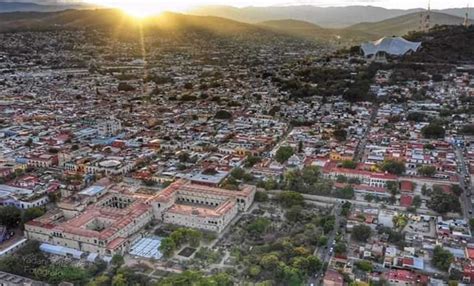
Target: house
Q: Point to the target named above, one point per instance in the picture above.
(333, 278)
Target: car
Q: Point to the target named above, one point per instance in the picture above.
(331, 250)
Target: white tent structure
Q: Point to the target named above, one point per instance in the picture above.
(395, 46)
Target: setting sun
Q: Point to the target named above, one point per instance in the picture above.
(145, 8)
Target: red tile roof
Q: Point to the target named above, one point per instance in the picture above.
(406, 201)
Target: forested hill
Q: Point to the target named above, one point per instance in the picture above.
(445, 44)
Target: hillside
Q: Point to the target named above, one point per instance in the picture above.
(116, 19)
(6, 7)
(399, 26)
(120, 22)
(313, 32)
(445, 44)
(331, 17)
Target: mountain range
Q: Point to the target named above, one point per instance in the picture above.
(328, 17)
(108, 18)
(46, 6)
(331, 17)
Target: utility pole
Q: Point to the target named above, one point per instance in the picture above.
(466, 19)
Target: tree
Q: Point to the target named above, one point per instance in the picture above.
(237, 173)
(123, 86)
(54, 196)
(314, 264)
(119, 280)
(433, 131)
(183, 157)
(322, 240)
(223, 114)
(261, 196)
(340, 248)
(288, 199)
(349, 164)
(167, 246)
(32, 213)
(294, 213)
(252, 160)
(258, 226)
(393, 187)
(468, 129)
(400, 221)
(361, 232)
(427, 171)
(442, 258)
(269, 261)
(117, 260)
(102, 280)
(193, 236)
(416, 116)
(340, 134)
(364, 265)
(345, 193)
(300, 146)
(10, 216)
(346, 209)
(457, 190)
(394, 166)
(424, 190)
(369, 197)
(443, 203)
(416, 201)
(283, 154)
(254, 270)
(270, 184)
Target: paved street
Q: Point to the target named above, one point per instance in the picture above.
(325, 253)
(359, 152)
(464, 183)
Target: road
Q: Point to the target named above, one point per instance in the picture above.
(464, 183)
(359, 152)
(326, 253)
(331, 200)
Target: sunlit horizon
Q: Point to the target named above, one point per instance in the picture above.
(143, 8)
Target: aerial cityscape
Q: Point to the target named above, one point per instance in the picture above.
(236, 143)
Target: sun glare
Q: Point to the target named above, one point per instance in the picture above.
(140, 11)
(146, 8)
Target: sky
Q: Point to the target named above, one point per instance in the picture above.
(186, 4)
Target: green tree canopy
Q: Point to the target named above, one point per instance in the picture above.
(10, 216)
(442, 258)
(283, 154)
(433, 131)
(361, 232)
(288, 199)
(394, 166)
(427, 170)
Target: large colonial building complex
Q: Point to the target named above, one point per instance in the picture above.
(199, 206)
(110, 223)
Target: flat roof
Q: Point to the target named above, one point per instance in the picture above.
(203, 178)
(91, 191)
(147, 247)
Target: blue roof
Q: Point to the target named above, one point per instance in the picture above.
(147, 247)
(92, 191)
(60, 250)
